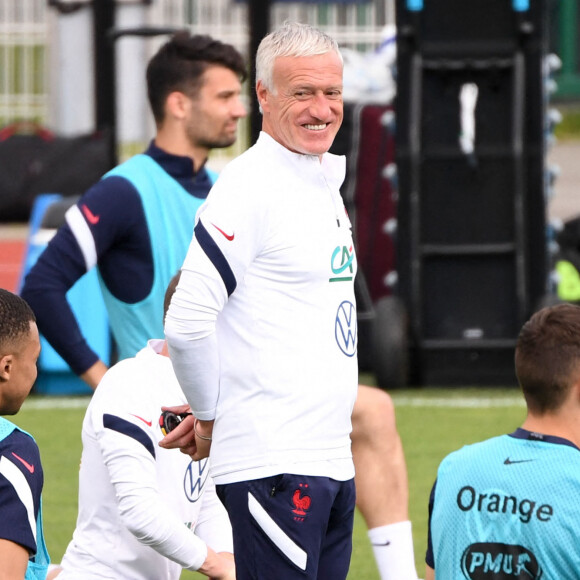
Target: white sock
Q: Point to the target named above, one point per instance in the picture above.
(393, 550)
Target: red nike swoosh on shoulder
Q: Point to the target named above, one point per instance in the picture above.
(91, 217)
(148, 423)
(28, 466)
(229, 237)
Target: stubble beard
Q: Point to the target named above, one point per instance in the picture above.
(217, 143)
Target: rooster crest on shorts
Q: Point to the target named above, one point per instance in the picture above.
(301, 503)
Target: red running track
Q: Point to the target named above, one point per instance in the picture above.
(11, 258)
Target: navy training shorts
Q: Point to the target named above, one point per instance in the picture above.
(291, 527)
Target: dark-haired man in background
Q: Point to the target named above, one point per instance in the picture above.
(128, 223)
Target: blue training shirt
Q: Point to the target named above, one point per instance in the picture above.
(115, 215)
(21, 482)
(507, 508)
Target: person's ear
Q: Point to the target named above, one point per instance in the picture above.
(176, 105)
(262, 94)
(6, 363)
(576, 390)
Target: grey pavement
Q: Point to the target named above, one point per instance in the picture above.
(13, 231)
(566, 200)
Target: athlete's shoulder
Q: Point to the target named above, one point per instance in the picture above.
(122, 399)
(22, 451)
(21, 480)
(112, 196)
(132, 380)
(237, 170)
(253, 166)
(475, 451)
(122, 381)
(19, 437)
(136, 162)
(249, 181)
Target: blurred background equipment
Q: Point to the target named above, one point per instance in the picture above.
(473, 261)
(34, 160)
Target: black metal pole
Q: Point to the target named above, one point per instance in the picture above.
(259, 17)
(105, 87)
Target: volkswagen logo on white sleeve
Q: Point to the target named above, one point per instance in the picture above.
(345, 328)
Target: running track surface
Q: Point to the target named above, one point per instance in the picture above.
(11, 259)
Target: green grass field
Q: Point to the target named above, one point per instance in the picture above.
(432, 422)
(569, 128)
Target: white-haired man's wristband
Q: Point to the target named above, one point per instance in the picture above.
(197, 434)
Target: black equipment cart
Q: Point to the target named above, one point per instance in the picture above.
(470, 149)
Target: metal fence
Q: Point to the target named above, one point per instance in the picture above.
(24, 41)
(356, 26)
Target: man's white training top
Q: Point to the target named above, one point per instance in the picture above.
(262, 327)
(140, 504)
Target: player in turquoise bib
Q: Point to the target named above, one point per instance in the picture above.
(507, 508)
(23, 552)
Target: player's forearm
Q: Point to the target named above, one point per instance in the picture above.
(196, 367)
(180, 546)
(193, 352)
(93, 375)
(14, 559)
(150, 520)
(63, 334)
(45, 289)
(218, 566)
(141, 506)
(190, 330)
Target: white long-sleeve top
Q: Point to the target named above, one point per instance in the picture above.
(262, 327)
(144, 511)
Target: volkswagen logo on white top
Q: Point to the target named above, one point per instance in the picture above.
(345, 328)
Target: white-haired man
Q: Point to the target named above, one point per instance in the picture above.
(265, 317)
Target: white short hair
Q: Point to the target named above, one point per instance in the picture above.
(291, 39)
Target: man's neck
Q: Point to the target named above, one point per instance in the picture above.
(555, 425)
(180, 146)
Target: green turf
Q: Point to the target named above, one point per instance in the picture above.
(432, 422)
(569, 128)
(431, 432)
